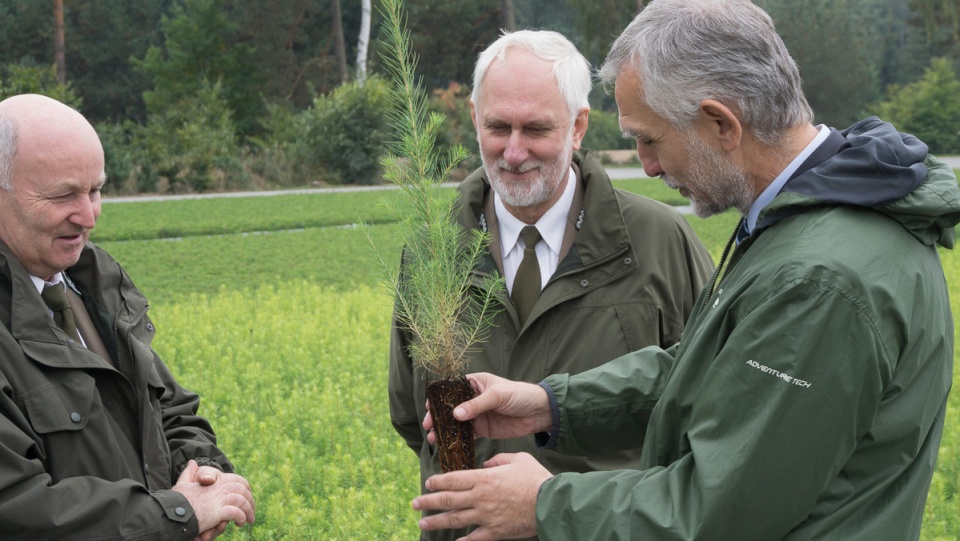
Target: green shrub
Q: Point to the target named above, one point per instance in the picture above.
(192, 145)
(928, 108)
(120, 159)
(604, 133)
(344, 133)
(31, 79)
(453, 103)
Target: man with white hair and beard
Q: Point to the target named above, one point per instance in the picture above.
(613, 272)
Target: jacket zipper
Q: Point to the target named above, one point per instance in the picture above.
(723, 259)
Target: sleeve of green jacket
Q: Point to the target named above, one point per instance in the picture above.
(83, 507)
(622, 391)
(756, 453)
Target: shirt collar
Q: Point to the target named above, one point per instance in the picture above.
(774, 188)
(40, 283)
(551, 225)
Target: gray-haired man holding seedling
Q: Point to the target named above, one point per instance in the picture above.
(97, 439)
(592, 272)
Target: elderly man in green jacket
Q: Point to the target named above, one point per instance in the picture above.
(97, 440)
(617, 272)
(806, 399)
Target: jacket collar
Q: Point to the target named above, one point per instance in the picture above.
(95, 276)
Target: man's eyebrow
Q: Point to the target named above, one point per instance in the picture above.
(631, 134)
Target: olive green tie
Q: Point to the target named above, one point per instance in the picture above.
(56, 300)
(526, 284)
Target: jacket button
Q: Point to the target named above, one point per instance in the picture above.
(627, 261)
(75, 417)
(180, 511)
(584, 283)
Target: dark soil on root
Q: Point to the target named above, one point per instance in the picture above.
(454, 438)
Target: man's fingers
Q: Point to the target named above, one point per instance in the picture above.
(500, 460)
(457, 480)
(189, 473)
(460, 518)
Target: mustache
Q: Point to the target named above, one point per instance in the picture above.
(519, 169)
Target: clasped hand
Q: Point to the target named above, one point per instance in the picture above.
(217, 498)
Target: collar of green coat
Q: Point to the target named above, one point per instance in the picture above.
(97, 277)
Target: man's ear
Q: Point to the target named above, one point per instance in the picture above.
(473, 117)
(720, 123)
(580, 126)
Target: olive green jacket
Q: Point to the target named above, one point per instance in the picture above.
(89, 448)
(628, 280)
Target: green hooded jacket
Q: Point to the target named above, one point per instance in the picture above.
(90, 449)
(629, 280)
(806, 398)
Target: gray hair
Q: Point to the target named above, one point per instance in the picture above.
(570, 69)
(686, 51)
(8, 151)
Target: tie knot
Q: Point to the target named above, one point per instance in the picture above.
(55, 298)
(530, 235)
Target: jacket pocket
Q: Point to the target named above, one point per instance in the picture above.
(61, 406)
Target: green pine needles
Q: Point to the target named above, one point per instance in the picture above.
(432, 292)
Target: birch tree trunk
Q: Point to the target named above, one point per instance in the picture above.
(58, 42)
(362, 42)
(339, 45)
(509, 18)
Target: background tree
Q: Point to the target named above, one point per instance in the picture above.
(829, 40)
(363, 41)
(451, 35)
(940, 20)
(339, 43)
(508, 15)
(598, 22)
(58, 37)
(200, 48)
(928, 108)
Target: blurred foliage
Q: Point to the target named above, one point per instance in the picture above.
(604, 133)
(200, 47)
(453, 102)
(190, 145)
(27, 79)
(928, 108)
(339, 139)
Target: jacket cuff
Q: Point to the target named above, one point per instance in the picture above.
(201, 461)
(181, 519)
(549, 439)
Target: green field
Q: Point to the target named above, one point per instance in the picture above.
(270, 308)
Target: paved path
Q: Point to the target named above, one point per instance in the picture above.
(616, 173)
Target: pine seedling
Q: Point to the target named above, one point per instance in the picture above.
(432, 293)
(433, 299)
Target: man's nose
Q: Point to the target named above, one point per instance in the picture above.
(649, 160)
(86, 212)
(515, 151)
